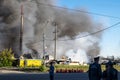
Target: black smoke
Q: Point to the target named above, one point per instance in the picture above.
(39, 18)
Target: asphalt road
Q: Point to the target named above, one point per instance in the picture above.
(43, 76)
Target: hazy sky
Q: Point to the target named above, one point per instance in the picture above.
(110, 43)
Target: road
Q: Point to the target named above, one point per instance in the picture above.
(43, 76)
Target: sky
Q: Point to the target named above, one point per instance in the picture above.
(110, 42)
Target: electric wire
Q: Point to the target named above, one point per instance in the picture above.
(118, 23)
(99, 14)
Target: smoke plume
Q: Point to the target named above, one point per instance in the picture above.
(39, 19)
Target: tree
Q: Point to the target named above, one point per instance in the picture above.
(6, 57)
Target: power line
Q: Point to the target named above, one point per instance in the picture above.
(36, 44)
(89, 33)
(99, 14)
(93, 32)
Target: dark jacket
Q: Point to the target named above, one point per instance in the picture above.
(51, 70)
(94, 72)
(110, 74)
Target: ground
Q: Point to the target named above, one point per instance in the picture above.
(16, 75)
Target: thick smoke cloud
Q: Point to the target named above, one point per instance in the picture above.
(39, 19)
(8, 25)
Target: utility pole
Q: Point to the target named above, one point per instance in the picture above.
(55, 49)
(21, 29)
(43, 45)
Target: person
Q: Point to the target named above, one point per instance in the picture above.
(110, 73)
(95, 72)
(51, 71)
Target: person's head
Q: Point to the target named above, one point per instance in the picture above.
(51, 63)
(96, 59)
(109, 64)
